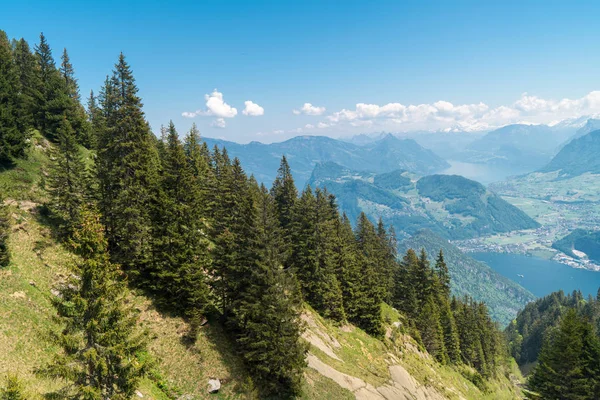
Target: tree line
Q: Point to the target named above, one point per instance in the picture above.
(187, 224)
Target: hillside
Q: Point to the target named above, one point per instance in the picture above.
(304, 152)
(526, 146)
(452, 206)
(580, 241)
(343, 361)
(503, 296)
(578, 157)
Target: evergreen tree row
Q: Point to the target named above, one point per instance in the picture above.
(37, 94)
(452, 330)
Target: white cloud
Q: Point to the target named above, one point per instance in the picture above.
(219, 123)
(323, 125)
(309, 109)
(309, 126)
(215, 107)
(476, 116)
(252, 109)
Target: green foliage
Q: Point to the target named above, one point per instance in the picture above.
(13, 389)
(127, 167)
(100, 342)
(526, 334)
(503, 297)
(582, 240)
(66, 180)
(13, 132)
(266, 311)
(577, 157)
(569, 362)
(180, 242)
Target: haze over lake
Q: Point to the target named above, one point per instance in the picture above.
(541, 277)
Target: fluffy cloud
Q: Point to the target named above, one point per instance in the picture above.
(215, 107)
(309, 109)
(252, 109)
(476, 116)
(219, 123)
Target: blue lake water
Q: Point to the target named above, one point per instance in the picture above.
(541, 277)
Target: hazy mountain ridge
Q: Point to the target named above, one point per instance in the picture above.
(304, 152)
(577, 157)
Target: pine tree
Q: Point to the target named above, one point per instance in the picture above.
(450, 331)
(181, 256)
(66, 180)
(13, 135)
(348, 270)
(4, 233)
(95, 120)
(563, 370)
(46, 71)
(265, 311)
(431, 331)
(371, 290)
(75, 111)
(30, 84)
(68, 74)
(443, 275)
(312, 253)
(285, 194)
(127, 166)
(405, 295)
(13, 389)
(99, 342)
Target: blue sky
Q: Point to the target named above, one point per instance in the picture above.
(363, 66)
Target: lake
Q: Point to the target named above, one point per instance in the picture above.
(482, 173)
(541, 277)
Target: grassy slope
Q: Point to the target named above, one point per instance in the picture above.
(182, 367)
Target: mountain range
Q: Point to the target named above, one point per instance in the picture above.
(304, 152)
(452, 206)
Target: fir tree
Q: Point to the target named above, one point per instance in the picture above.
(450, 331)
(181, 244)
(13, 136)
(443, 276)
(431, 331)
(285, 194)
(127, 166)
(100, 345)
(4, 233)
(68, 74)
(265, 312)
(66, 180)
(371, 290)
(563, 371)
(30, 84)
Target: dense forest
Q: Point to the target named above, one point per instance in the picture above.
(188, 226)
(558, 336)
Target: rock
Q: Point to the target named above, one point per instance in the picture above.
(214, 385)
(32, 283)
(18, 295)
(139, 394)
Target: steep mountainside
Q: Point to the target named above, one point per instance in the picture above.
(452, 206)
(343, 362)
(304, 152)
(577, 157)
(471, 277)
